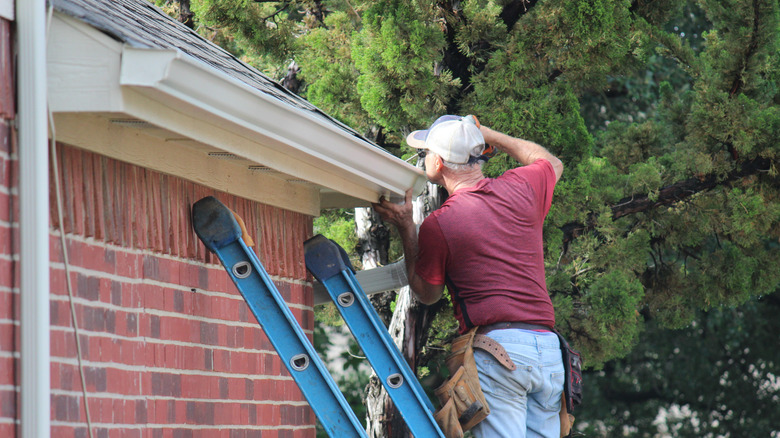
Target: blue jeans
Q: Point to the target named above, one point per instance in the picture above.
(524, 402)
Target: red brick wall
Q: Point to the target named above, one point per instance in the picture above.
(169, 346)
(8, 240)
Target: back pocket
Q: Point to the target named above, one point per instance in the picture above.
(553, 390)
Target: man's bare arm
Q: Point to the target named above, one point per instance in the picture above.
(524, 151)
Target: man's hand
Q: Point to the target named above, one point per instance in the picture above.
(400, 215)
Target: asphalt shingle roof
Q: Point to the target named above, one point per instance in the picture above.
(141, 24)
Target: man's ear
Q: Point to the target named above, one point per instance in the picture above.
(437, 163)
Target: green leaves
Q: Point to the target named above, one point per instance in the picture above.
(715, 377)
(263, 31)
(339, 226)
(584, 40)
(326, 55)
(612, 299)
(395, 53)
(751, 216)
(480, 32)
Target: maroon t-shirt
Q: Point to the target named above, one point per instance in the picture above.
(485, 244)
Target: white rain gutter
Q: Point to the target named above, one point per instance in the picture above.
(282, 130)
(34, 219)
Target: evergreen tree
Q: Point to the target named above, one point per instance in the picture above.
(718, 377)
(665, 113)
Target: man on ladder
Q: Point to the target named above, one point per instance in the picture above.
(485, 244)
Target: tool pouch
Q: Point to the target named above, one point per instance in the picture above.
(572, 387)
(447, 419)
(572, 364)
(462, 403)
(567, 419)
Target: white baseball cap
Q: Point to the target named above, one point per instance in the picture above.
(455, 139)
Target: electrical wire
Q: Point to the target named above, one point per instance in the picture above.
(66, 261)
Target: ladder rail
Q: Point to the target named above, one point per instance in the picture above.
(369, 331)
(388, 341)
(299, 357)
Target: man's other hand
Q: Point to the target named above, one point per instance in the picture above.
(399, 215)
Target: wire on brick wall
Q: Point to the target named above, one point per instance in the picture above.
(65, 260)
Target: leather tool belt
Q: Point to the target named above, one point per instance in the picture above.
(463, 404)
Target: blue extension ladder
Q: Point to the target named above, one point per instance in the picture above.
(219, 231)
(329, 264)
(217, 228)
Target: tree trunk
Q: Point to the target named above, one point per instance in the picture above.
(290, 80)
(383, 419)
(373, 238)
(185, 14)
(373, 242)
(409, 328)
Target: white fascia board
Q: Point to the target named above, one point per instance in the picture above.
(181, 82)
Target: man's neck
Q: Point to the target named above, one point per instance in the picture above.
(457, 181)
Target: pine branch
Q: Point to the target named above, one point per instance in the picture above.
(676, 192)
(285, 5)
(751, 50)
(514, 10)
(456, 61)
